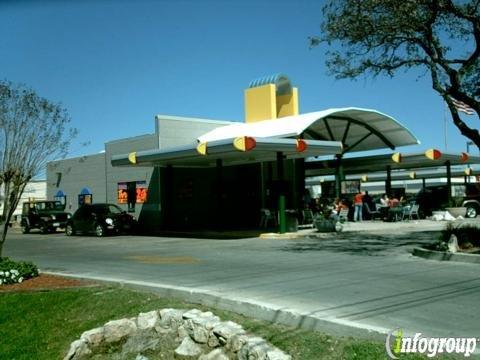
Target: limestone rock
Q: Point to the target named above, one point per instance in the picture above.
(171, 318)
(79, 350)
(148, 320)
(214, 341)
(255, 348)
(117, 330)
(236, 342)
(453, 244)
(227, 329)
(217, 354)
(93, 337)
(196, 332)
(188, 349)
(141, 341)
(205, 319)
(182, 332)
(141, 357)
(277, 354)
(191, 314)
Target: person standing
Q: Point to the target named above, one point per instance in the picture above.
(358, 203)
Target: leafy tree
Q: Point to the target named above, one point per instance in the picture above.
(33, 130)
(379, 37)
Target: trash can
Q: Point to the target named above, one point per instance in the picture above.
(291, 219)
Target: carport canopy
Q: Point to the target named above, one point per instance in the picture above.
(357, 129)
(375, 163)
(236, 151)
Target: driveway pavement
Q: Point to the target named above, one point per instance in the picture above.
(363, 279)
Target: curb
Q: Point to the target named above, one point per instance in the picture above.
(446, 256)
(257, 310)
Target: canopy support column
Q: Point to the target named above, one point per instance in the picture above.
(219, 176)
(338, 176)
(281, 197)
(388, 181)
(449, 182)
(168, 209)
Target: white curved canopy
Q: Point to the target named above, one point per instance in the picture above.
(358, 129)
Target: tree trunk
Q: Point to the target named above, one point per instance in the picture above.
(9, 205)
(3, 236)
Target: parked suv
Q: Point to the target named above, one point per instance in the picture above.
(436, 198)
(44, 215)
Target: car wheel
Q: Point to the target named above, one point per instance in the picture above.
(25, 228)
(471, 211)
(99, 230)
(69, 230)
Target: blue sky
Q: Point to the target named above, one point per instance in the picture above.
(115, 64)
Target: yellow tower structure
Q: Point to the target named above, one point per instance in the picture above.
(270, 97)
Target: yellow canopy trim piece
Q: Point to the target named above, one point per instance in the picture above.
(132, 157)
(244, 143)
(202, 148)
(397, 157)
(433, 154)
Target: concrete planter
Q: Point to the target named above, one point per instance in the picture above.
(457, 211)
(325, 225)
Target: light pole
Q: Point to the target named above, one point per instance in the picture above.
(468, 146)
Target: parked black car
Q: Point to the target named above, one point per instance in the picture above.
(44, 215)
(100, 219)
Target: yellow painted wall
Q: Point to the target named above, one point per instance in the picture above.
(260, 103)
(287, 105)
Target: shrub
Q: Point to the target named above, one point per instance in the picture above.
(12, 272)
(467, 235)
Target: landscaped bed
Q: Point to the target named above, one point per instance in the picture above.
(467, 239)
(40, 317)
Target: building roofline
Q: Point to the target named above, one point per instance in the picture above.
(184, 118)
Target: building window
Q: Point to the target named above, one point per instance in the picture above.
(61, 196)
(85, 197)
(131, 193)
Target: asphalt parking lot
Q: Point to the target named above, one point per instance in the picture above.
(361, 280)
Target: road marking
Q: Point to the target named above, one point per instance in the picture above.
(163, 259)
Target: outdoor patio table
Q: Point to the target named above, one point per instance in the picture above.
(395, 213)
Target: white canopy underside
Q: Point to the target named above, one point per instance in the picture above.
(358, 129)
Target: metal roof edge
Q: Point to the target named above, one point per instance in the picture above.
(185, 118)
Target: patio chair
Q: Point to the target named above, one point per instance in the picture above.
(343, 215)
(307, 219)
(409, 212)
(372, 213)
(266, 216)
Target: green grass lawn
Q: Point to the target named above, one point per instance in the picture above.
(41, 325)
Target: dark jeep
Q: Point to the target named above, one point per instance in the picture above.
(44, 215)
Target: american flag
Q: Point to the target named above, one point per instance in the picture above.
(461, 106)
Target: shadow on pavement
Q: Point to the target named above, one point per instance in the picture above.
(364, 243)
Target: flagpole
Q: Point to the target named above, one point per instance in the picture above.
(445, 124)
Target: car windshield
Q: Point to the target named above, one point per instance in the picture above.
(49, 205)
(107, 209)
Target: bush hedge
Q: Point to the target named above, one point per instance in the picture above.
(12, 272)
(468, 235)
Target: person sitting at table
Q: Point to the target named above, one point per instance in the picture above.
(338, 205)
(384, 200)
(393, 202)
(394, 208)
